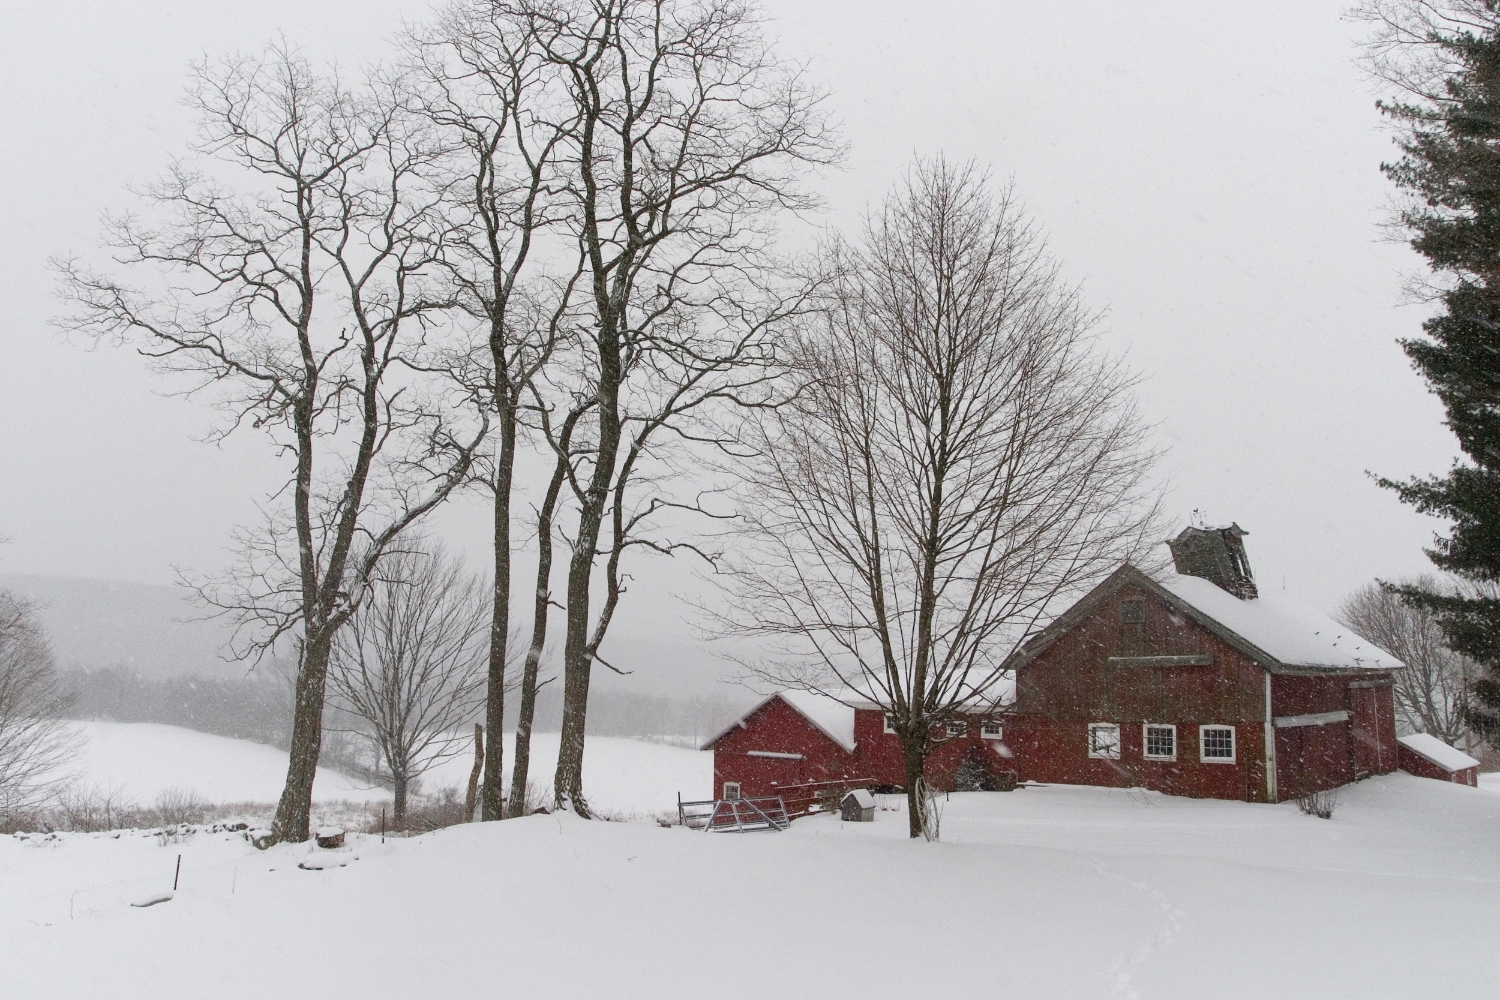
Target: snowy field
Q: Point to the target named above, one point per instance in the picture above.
(623, 777)
(1045, 892)
(142, 760)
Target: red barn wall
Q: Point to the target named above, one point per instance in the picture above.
(879, 755)
(1312, 758)
(879, 751)
(1372, 707)
(778, 728)
(1071, 684)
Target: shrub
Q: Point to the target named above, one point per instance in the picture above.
(1320, 803)
(176, 806)
(92, 808)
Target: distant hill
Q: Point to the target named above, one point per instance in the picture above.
(103, 623)
(157, 632)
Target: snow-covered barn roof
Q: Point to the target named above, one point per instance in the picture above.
(1293, 634)
(1429, 746)
(1273, 631)
(831, 717)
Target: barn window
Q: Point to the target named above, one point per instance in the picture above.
(890, 724)
(1161, 742)
(1104, 740)
(1216, 744)
(992, 731)
(957, 727)
(1133, 612)
(731, 789)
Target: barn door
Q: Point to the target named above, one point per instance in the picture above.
(1364, 714)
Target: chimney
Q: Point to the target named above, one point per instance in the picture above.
(1216, 555)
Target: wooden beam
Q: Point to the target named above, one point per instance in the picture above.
(1198, 660)
(1314, 719)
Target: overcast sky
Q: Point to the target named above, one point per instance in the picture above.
(1208, 171)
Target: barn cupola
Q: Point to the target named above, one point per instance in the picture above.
(1216, 555)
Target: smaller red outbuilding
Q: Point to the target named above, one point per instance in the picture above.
(1426, 756)
(800, 745)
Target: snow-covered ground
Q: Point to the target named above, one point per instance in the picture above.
(1046, 892)
(142, 760)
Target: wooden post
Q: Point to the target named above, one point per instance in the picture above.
(473, 792)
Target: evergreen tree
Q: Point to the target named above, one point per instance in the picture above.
(1451, 167)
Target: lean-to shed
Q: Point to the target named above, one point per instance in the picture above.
(1426, 756)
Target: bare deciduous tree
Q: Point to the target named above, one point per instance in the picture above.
(480, 78)
(410, 664)
(288, 276)
(1432, 690)
(958, 459)
(35, 745)
(1400, 48)
(561, 439)
(687, 133)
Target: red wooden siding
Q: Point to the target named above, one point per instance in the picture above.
(1312, 758)
(1071, 684)
(777, 728)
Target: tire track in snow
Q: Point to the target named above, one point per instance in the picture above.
(1120, 975)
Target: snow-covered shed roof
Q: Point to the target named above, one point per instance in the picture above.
(1274, 631)
(831, 716)
(862, 797)
(1435, 750)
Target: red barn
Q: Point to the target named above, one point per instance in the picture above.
(1182, 687)
(1192, 685)
(1426, 756)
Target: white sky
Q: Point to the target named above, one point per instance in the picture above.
(1208, 171)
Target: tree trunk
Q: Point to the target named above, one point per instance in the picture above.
(577, 663)
(577, 655)
(542, 602)
(492, 797)
(915, 756)
(398, 810)
(293, 811)
(473, 792)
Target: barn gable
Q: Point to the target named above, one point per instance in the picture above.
(1276, 635)
(828, 716)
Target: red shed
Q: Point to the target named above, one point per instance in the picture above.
(791, 739)
(1196, 685)
(1426, 756)
(795, 741)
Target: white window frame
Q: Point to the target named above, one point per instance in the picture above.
(1234, 745)
(998, 734)
(1146, 728)
(727, 786)
(885, 720)
(1104, 755)
(956, 727)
